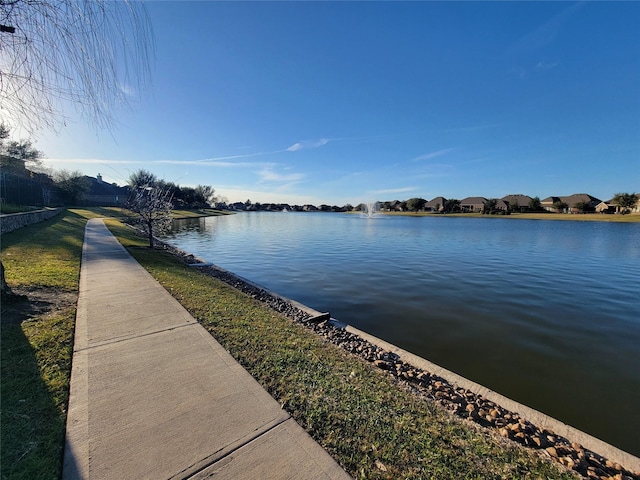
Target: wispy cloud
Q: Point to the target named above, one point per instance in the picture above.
(545, 65)
(269, 175)
(127, 90)
(302, 145)
(545, 33)
(91, 161)
(235, 157)
(210, 162)
(307, 144)
(225, 161)
(431, 155)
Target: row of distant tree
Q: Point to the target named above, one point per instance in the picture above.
(201, 196)
(626, 201)
(453, 205)
(26, 181)
(410, 205)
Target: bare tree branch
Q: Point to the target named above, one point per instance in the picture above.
(153, 207)
(90, 53)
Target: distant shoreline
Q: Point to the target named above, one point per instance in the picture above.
(576, 217)
(580, 217)
(181, 214)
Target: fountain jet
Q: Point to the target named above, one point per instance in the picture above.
(370, 209)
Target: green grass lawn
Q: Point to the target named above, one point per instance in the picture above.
(11, 208)
(368, 423)
(200, 212)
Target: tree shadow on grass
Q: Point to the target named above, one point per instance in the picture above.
(32, 437)
(34, 301)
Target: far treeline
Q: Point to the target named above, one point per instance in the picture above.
(25, 181)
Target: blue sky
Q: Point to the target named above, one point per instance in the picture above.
(304, 102)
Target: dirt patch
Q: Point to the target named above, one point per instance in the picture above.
(35, 302)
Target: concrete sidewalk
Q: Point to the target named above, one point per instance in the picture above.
(154, 396)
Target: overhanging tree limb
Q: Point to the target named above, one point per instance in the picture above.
(91, 53)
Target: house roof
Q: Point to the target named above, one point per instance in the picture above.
(438, 201)
(473, 201)
(517, 199)
(101, 188)
(572, 200)
(501, 204)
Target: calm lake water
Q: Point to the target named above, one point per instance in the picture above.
(544, 312)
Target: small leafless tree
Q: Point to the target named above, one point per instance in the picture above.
(153, 208)
(90, 53)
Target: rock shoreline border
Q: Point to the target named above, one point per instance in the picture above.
(578, 451)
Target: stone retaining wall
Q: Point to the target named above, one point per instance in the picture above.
(13, 221)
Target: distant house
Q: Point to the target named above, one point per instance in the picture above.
(610, 207)
(501, 205)
(549, 203)
(237, 206)
(607, 207)
(517, 202)
(572, 201)
(473, 204)
(435, 205)
(392, 206)
(582, 198)
(102, 194)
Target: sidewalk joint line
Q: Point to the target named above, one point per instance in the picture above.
(133, 336)
(257, 434)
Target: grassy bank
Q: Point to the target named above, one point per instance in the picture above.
(373, 427)
(11, 208)
(200, 212)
